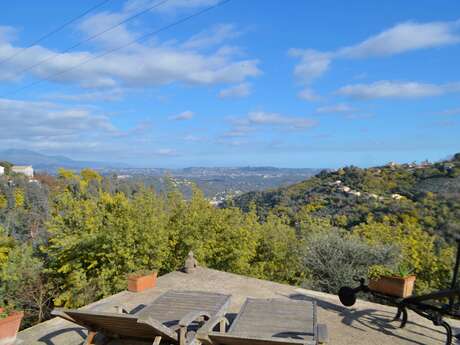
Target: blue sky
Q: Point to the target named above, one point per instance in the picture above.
(280, 83)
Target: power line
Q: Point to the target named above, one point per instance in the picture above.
(141, 39)
(53, 56)
(52, 32)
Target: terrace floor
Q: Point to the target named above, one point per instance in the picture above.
(366, 323)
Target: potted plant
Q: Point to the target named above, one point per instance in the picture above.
(142, 280)
(10, 320)
(399, 282)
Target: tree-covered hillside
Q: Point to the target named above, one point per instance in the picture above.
(427, 193)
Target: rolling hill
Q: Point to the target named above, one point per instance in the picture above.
(51, 163)
(427, 193)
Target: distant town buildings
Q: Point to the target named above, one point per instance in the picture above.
(2, 170)
(393, 165)
(26, 170)
(221, 197)
(396, 196)
(123, 177)
(349, 191)
(345, 189)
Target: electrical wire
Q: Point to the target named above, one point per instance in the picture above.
(141, 39)
(53, 56)
(45, 36)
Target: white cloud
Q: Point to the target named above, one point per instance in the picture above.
(308, 94)
(104, 21)
(395, 89)
(151, 63)
(38, 119)
(208, 38)
(260, 120)
(7, 33)
(147, 66)
(337, 108)
(238, 131)
(165, 152)
(54, 128)
(43, 125)
(194, 138)
(142, 128)
(276, 119)
(233, 142)
(105, 95)
(185, 115)
(237, 91)
(312, 64)
(405, 37)
(401, 38)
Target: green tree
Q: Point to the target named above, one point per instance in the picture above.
(3, 200)
(6, 245)
(430, 259)
(224, 239)
(19, 197)
(95, 242)
(24, 285)
(278, 252)
(90, 175)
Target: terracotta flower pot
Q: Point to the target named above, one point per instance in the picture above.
(9, 327)
(394, 286)
(138, 283)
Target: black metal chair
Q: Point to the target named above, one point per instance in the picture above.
(429, 306)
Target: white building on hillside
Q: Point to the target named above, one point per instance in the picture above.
(25, 170)
(2, 170)
(397, 196)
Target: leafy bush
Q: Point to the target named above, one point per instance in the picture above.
(375, 272)
(6, 245)
(430, 260)
(333, 258)
(278, 252)
(23, 285)
(96, 241)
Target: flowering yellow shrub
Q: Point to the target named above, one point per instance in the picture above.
(426, 255)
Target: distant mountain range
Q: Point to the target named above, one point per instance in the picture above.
(52, 163)
(216, 182)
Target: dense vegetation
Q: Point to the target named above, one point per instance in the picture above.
(71, 240)
(427, 195)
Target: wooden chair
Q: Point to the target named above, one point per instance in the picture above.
(269, 322)
(174, 317)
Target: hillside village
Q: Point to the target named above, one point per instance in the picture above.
(449, 167)
(426, 192)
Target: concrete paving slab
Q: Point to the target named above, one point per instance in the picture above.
(364, 324)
